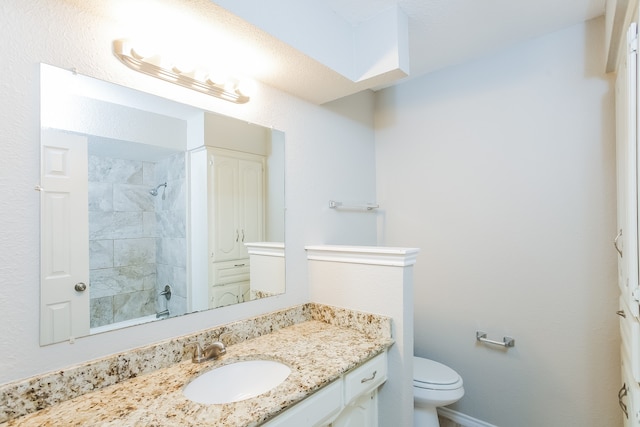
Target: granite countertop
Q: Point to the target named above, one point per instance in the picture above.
(316, 352)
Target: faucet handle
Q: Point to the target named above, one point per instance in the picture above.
(197, 351)
(226, 337)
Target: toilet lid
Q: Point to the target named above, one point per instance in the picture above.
(433, 375)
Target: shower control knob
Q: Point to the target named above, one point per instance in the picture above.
(80, 287)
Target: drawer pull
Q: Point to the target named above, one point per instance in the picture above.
(615, 243)
(366, 380)
(621, 395)
(621, 313)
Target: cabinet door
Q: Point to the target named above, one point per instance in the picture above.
(314, 411)
(251, 198)
(363, 412)
(225, 233)
(237, 206)
(629, 396)
(627, 179)
(224, 295)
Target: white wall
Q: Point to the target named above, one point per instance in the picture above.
(502, 172)
(329, 155)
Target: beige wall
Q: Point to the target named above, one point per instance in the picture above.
(502, 172)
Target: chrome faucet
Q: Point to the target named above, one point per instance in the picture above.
(211, 352)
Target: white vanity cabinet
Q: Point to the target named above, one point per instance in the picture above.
(350, 401)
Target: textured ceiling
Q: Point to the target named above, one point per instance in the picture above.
(441, 33)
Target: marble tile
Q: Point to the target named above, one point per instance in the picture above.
(113, 281)
(115, 225)
(100, 196)
(179, 281)
(101, 311)
(171, 168)
(134, 304)
(134, 251)
(149, 227)
(104, 169)
(172, 251)
(176, 277)
(149, 174)
(132, 198)
(171, 224)
(100, 254)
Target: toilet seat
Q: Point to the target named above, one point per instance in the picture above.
(429, 374)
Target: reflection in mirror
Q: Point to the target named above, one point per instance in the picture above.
(151, 209)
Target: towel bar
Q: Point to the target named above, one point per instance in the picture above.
(369, 206)
(506, 341)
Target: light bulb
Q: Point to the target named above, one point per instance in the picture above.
(141, 50)
(200, 75)
(183, 66)
(246, 87)
(217, 78)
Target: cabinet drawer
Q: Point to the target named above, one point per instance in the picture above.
(365, 378)
(226, 272)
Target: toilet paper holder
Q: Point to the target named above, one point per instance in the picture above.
(506, 341)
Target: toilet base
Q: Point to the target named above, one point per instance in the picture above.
(425, 416)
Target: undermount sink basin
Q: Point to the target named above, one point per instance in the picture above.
(236, 381)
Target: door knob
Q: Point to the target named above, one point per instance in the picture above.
(80, 287)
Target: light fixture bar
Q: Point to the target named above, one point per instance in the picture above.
(123, 51)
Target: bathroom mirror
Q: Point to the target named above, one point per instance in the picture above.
(151, 209)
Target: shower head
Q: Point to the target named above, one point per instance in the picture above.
(154, 191)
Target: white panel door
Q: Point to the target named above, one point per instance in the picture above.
(64, 242)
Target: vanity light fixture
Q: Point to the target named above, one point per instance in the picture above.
(182, 74)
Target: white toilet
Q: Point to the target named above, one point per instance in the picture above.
(434, 385)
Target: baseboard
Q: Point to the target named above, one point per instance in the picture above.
(462, 419)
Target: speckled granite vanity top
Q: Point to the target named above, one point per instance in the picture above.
(318, 350)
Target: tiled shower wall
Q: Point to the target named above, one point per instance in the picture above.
(171, 243)
(129, 233)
